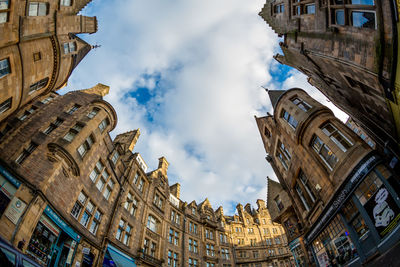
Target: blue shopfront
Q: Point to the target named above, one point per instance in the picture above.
(53, 242)
(362, 219)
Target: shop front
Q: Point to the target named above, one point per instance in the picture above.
(298, 253)
(53, 242)
(362, 219)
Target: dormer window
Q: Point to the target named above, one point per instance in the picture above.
(289, 119)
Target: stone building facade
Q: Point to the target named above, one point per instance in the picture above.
(349, 51)
(360, 132)
(39, 48)
(336, 197)
(79, 198)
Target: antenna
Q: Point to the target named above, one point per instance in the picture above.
(96, 46)
(266, 89)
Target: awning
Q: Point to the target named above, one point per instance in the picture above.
(115, 257)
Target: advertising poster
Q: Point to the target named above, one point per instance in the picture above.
(383, 211)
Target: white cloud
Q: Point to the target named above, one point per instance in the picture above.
(212, 57)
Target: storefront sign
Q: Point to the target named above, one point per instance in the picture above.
(53, 216)
(9, 177)
(362, 169)
(86, 250)
(15, 210)
(383, 211)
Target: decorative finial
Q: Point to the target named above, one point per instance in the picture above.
(96, 46)
(266, 89)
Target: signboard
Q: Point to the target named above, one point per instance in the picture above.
(383, 211)
(7, 187)
(54, 217)
(362, 169)
(9, 177)
(15, 210)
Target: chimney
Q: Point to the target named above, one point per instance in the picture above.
(127, 140)
(99, 89)
(260, 204)
(175, 189)
(163, 165)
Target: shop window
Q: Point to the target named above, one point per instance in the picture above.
(25, 153)
(283, 154)
(38, 85)
(87, 144)
(103, 124)
(158, 201)
(53, 126)
(73, 132)
(27, 113)
(37, 56)
(66, 2)
(69, 47)
(93, 113)
(303, 105)
(153, 224)
(289, 119)
(73, 109)
(38, 9)
(368, 187)
(324, 152)
(4, 64)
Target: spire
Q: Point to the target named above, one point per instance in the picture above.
(274, 96)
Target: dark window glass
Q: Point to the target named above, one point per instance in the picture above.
(339, 17)
(363, 19)
(310, 9)
(4, 67)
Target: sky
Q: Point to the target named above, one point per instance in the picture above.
(189, 75)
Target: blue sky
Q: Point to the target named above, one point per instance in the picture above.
(189, 75)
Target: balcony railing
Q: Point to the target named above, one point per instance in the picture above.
(150, 259)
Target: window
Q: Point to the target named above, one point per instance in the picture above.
(268, 241)
(279, 203)
(131, 204)
(173, 237)
(96, 222)
(82, 149)
(146, 244)
(102, 179)
(252, 242)
(38, 85)
(6, 105)
(153, 249)
(195, 246)
(4, 63)
(103, 124)
(47, 99)
(310, 9)
(115, 157)
(172, 259)
(210, 264)
(277, 240)
(194, 211)
(265, 230)
(363, 19)
(337, 137)
(356, 13)
(73, 109)
(255, 254)
(283, 155)
(69, 47)
(152, 223)
(4, 8)
(306, 185)
(120, 230)
(324, 152)
(87, 214)
(209, 234)
(158, 201)
(192, 262)
(93, 113)
(303, 105)
(65, 2)
(210, 250)
(107, 192)
(280, 8)
(7, 257)
(274, 230)
(37, 56)
(73, 132)
(53, 126)
(222, 238)
(27, 113)
(224, 253)
(250, 231)
(37, 9)
(289, 118)
(127, 236)
(26, 152)
(140, 185)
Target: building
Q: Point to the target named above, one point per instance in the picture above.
(39, 48)
(360, 132)
(349, 51)
(336, 197)
(76, 197)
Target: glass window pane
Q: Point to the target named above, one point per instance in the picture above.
(3, 19)
(363, 19)
(3, 4)
(33, 9)
(42, 9)
(362, 2)
(339, 17)
(310, 9)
